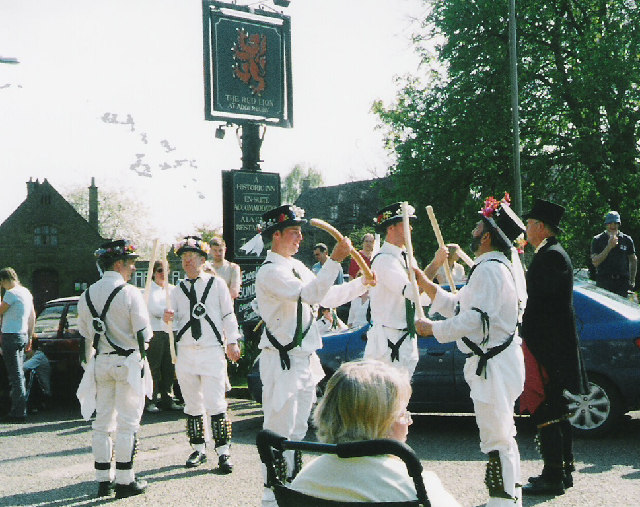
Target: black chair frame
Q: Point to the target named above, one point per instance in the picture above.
(267, 441)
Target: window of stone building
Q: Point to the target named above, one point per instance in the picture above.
(139, 278)
(356, 209)
(45, 199)
(333, 212)
(45, 235)
(175, 277)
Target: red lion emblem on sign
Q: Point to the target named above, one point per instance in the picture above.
(250, 53)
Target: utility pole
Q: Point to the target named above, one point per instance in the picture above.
(515, 117)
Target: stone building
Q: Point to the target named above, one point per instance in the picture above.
(347, 207)
(49, 244)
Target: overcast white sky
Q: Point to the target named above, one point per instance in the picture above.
(105, 87)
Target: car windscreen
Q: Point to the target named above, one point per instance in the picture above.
(49, 320)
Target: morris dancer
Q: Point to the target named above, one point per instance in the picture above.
(203, 314)
(392, 337)
(483, 319)
(113, 319)
(285, 291)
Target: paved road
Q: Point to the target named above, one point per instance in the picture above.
(48, 462)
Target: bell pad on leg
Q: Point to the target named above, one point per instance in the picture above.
(493, 477)
(195, 429)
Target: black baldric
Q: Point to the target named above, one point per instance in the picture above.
(410, 312)
(99, 325)
(298, 334)
(481, 370)
(197, 311)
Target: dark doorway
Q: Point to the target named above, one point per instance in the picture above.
(45, 287)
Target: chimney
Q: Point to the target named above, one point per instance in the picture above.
(306, 184)
(31, 186)
(93, 205)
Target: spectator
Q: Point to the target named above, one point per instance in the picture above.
(226, 270)
(367, 253)
(159, 354)
(614, 256)
(358, 311)
(37, 373)
(321, 253)
(365, 400)
(18, 319)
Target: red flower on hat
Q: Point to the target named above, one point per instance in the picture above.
(282, 217)
(491, 205)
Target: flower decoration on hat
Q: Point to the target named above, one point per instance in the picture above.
(294, 213)
(491, 204)
(192, 243)
(115, 251)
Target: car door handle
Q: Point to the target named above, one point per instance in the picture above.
(437, 354)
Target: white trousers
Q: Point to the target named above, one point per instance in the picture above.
(202, 393)
(118, 409)
(497, 433)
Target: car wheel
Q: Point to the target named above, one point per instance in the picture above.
(596, 413)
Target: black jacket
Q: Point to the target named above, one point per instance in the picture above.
(548, 323)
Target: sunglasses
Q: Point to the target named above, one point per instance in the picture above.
(159, 270)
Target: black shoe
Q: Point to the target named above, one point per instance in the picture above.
(224, 464)
(133, 488)
(105, 488)
(196, 459)
(543, 486)
(567, 480)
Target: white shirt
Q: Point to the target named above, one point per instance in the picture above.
(491, 289)
(157, 304)
(127, 314)
(278, 290)
(393, 286)
(219, 307)
(457, 273)
(358, 312)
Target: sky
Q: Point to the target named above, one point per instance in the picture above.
(114, 90)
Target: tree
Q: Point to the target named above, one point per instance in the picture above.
(293, 183)
(579, 107)
(118, 216)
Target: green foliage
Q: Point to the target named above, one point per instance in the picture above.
(292, 184)
(579, 67)
(356, 235)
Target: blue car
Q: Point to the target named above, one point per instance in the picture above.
(609, 329)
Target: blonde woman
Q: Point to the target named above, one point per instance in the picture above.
(365, 400)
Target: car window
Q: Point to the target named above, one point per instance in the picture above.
(49, 320)
(72, 316)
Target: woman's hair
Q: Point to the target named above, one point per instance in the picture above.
(9, 274)
(362, 401)
(156, 266)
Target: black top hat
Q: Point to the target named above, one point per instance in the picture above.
(115, 250)
(547, 212)
(192, 244)
(279, 218)
(391, 214)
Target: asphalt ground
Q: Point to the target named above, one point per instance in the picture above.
(48, 461)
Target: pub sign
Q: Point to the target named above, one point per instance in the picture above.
(247, 65)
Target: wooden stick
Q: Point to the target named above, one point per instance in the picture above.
(441, 243)
(165, 268)
(147, 285)
(464, 257)
(321, 224)
(412, 276)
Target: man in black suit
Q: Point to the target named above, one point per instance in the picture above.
(552, 353)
